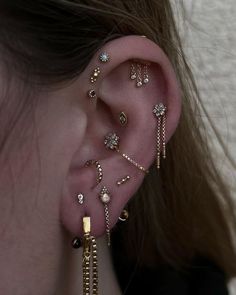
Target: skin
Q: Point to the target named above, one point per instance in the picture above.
(43, 168)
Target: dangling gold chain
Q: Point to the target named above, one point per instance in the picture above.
(89, 257)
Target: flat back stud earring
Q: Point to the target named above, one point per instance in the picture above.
(76, 243)
(95, 75)
(80, 198)
(112, 141)
(159, 112)
(92, 94)
(104, 57)
(124, 215)
(105, 198)
(123, 180)
(123, 119)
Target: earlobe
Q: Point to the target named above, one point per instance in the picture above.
(135, 102)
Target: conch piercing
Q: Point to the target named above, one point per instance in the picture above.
(123, 180)
(105, 198)
(139, 72)
(89, 258)
(95, 75)
(159, 112)
(123, 119)
(111, 142)
(98, 168)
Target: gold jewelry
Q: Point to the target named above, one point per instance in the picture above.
(139, 72)
(123, 119)
(111, 142)
(98, 168)
(123, 180)
(95, 75)
(89, 257)
(105, 198)
(124, 215)
(92, 94)
(159, 112)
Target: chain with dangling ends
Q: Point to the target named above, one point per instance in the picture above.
(90, 261)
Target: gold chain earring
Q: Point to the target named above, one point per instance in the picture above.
(159, 112)
(89, 259)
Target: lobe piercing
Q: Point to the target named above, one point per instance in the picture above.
(98, 168)
(95, 75)
(123, 119)
(105, 198)
(159, 112)
(124, 215)
(111, 142)
(104, 57)
(123, 180)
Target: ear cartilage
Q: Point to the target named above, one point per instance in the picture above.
(104, 57)
(159, 112)
(123, 119)
(112, 141)
(80, 198)
(123, 180)
(105, 197)
(95, 75)
(98, 168)
(92, 94)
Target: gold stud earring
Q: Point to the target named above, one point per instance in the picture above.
(124, 215)
(105, 197)
(123, 119)
(112, 141)
(95, 75)
(123, 180)
(90, 261)
(159, 112)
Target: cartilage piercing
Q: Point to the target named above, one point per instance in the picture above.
(80, 198)
(112, 141)
(104, 57)
(98, 168)
(139, 72)
(159, 112)
(105, 198)
(95, 75)
(123, 119)
(123, 180)
(92, 94)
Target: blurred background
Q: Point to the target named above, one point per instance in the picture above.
(208, 31)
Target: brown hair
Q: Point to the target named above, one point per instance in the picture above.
(184, 210)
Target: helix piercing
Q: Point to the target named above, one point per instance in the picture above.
(104, 57)
(111, 142)
(159, 112)
(98, 168)
(95, 75)
(105, 198)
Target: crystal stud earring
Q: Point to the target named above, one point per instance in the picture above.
(104, 57)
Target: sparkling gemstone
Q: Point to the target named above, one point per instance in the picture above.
(146, 80)
(80, 198)
(111, 141)
(105, 195)
(159, 110)
(139, 84)
(133, 77)
(92, 93)
(104, 57)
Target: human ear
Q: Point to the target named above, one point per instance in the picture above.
(116, 93)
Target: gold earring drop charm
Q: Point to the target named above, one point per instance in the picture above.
(95, 75)
(89, 259)
(123, 119)
(105, 198)
(159, 112)
(139, 72)
(112, 141)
